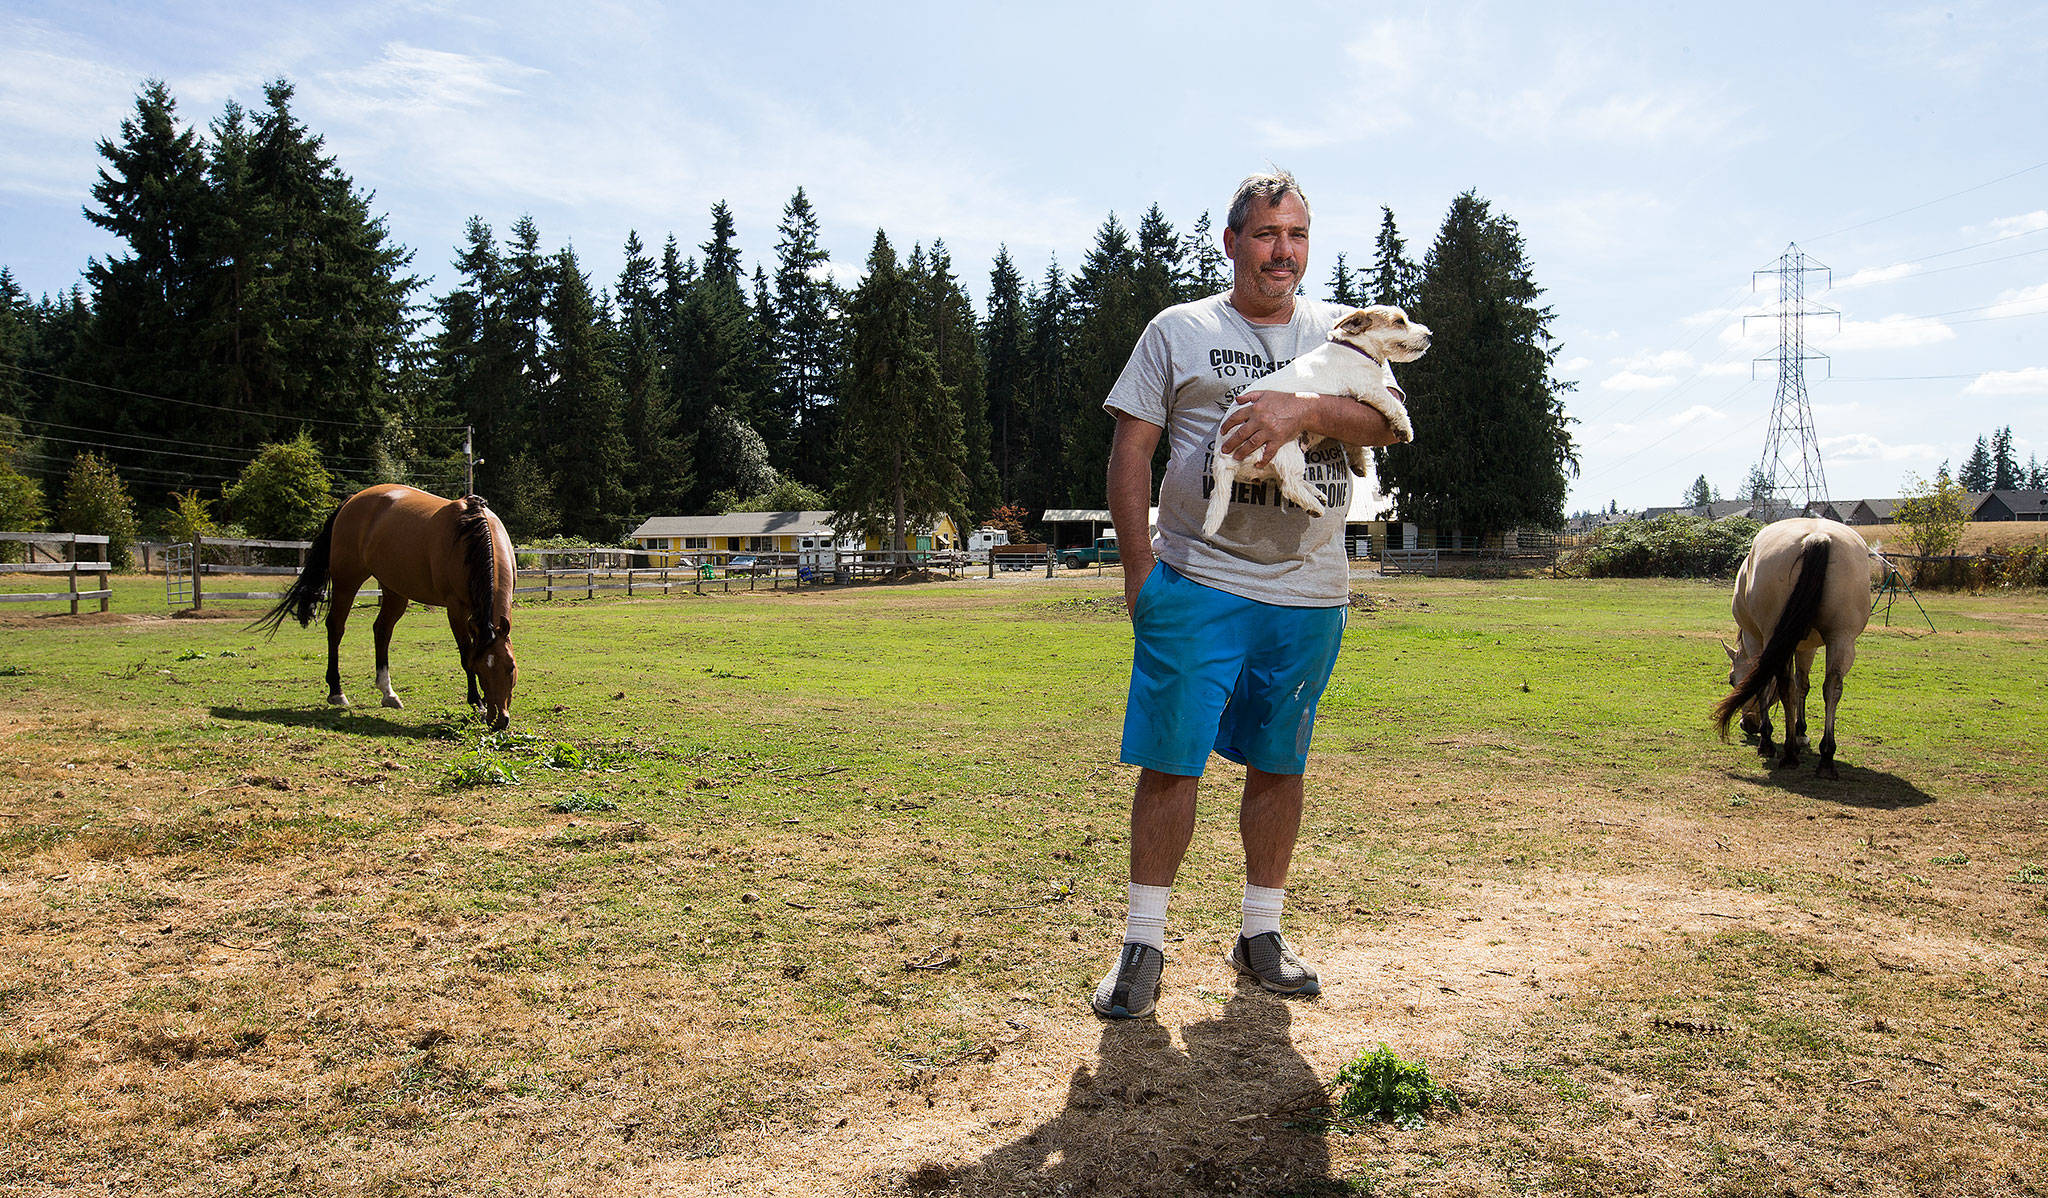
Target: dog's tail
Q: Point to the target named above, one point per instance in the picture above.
(1801, 607)
(303, 599)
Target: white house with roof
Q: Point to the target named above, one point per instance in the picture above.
(807, 537)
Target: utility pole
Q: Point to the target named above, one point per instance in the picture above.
(469, 459)
(1791, 460)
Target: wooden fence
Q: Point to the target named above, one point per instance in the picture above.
(584, 571)
(48, 544)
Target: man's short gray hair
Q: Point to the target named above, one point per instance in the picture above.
(1268, 188)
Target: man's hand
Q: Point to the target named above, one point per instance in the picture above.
(1137, 568)
(1266, 421)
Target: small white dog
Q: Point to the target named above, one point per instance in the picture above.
(1350, 363)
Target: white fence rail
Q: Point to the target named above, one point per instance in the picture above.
(48, 545)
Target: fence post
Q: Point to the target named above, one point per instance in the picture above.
(74, 573)
(590, 583)
(198, 600)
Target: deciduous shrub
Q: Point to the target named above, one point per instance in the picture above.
(1667, 547)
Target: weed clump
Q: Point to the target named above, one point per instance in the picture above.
(480, 768)
(1379, 1087)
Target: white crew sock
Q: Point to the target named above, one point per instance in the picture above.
(1261, 909)
(1147, 921)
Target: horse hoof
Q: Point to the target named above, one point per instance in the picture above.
(1827, 770)
(337, 699)
(394, 701)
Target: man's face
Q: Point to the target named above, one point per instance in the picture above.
(1271, 254)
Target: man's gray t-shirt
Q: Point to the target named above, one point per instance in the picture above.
(1191, 362)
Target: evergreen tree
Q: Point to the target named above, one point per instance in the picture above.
(2005, 468)
(1493, 445)
(1975, 476)
(474, 371)
(151, 195)
(583, 429)
(1161, 275)
(1049, 379)
(2037, 474)
(662, 466)
(1208, 270)
(900, 438)
(1700, 494)
(941, 306)
(16, 329)
(636, 300)
(1109, 313)
(1005, 340)
(807, 343)
(1394, 277)
(721, 256)
(1344, 285)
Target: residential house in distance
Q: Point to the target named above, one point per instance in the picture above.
(805, 537)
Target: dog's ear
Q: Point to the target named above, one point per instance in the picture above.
(1356, 322)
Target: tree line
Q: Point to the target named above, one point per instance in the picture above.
(260, 302)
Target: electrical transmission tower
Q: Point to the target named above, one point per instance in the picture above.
(1789, 479)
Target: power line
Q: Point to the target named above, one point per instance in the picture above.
(153, 437)
(1929, 204)
(219, 408)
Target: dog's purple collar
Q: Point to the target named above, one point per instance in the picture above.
(1354, 349)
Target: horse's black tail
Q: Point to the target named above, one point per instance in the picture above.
(1801, 608)
(303, 599)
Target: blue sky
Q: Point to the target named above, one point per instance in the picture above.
(1654, 155)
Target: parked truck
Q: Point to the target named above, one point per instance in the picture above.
(1101, 553)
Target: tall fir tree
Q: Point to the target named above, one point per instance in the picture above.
(942, 307)
(1050, 378)
(1394, 276)
(1109, 313)
(1208, 269)
(151, 195)
(806, 366)
(1005, 342)
(1975, 475)
(2005, 467)
(900, 437)
(1493, 445)
(582, 430)
(1344, 284)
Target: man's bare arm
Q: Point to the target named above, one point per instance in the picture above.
(1130, 498)
(1271, 419)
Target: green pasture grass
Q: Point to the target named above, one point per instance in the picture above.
(751, 813)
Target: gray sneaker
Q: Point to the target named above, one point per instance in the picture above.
(1266, 959)
(1132, 988)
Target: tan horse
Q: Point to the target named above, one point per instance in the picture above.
(450, 553)
(1805, 583)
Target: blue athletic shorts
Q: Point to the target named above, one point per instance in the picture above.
(1216, 671)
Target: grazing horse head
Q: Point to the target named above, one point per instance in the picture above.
(1739, 662)
(491, 662)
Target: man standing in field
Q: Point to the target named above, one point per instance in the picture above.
(1235, 635)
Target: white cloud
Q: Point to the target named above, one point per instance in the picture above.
(1877, 274)
(1864, 447)
(56, 101)
(1725, 369)
(2028, 223)
(1699, 412)
(1629, 380)
(2019, 301)
(1574, 365)
(2031, 381)
(1892, 332)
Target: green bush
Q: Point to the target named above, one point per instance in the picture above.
(285, 494)
(1667, 547)
(96, 502)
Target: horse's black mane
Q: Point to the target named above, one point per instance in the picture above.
(473, 530)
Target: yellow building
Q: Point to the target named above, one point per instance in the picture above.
(805, 538)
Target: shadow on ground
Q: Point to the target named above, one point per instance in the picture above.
(1857, 787)
(358, 721)
(1154, 1118)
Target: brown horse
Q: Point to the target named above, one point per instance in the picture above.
(450, 553)
(1805, 583)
